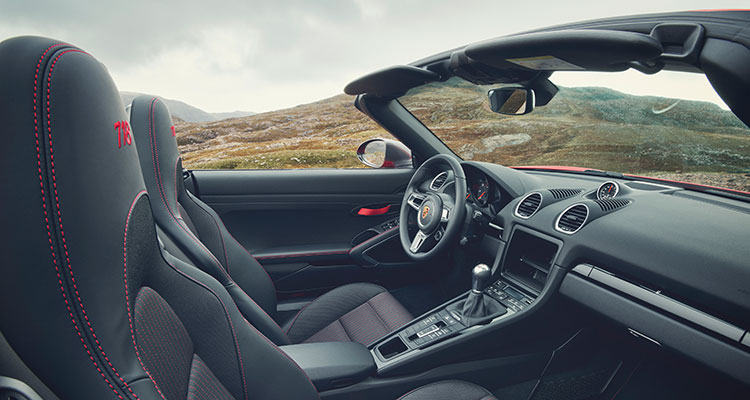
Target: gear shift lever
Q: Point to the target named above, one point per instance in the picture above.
(480, 278)
(477, 306)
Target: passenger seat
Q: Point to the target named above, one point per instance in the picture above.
(359, 312)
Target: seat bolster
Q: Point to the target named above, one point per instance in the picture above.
(255, 315)
(449, 390)
(359, 312)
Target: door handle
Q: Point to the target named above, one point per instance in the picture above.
(374, 211)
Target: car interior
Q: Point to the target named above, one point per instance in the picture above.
(427, 276)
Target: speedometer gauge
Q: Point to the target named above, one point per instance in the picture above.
(607, 190)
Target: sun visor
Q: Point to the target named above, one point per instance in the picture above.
(391, 82)
(567, 50)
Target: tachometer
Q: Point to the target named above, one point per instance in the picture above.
(607, 190)
(481, 190)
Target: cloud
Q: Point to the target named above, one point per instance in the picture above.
(260, 55)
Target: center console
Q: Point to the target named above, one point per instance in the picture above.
(520, 273)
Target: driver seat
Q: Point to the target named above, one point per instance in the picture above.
(359, 312)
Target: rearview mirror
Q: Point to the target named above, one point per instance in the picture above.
(384, 153)
(511, 100)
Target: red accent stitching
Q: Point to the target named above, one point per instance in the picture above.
(127, 296)
(229, 319)
(46, 218)
(162, 193)
(155, 153)
(218, 230)
(59, 219)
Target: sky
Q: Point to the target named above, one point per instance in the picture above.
(227, 55)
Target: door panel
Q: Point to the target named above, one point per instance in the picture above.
(314, 229)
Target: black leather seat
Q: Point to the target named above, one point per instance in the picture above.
(360, 312)
(89, 301)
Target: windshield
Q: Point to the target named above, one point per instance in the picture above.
(669, 125)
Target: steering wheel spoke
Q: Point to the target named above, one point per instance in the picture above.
(415, 200)
(446, 215)
(417, 242)
(439, 234)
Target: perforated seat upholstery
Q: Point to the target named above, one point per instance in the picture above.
(90, 303)
(357, 312)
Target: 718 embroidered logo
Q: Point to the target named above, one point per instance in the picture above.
(123, 134)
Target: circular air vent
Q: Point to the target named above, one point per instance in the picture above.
(572, 219)
(439, 181)
(529, 205)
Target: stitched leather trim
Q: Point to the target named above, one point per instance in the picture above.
(229, 319)
(127, 295)
(60, 224)
(218, 230)
(162, 193)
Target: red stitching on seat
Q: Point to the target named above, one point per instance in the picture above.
(155, 153)
(59, 214)
(218, 230)
(229, 319)
(162, 193)
(127, 296)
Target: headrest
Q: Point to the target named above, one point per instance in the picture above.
(70, 177)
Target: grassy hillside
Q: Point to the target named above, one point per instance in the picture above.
(590, 127)
(322, 134)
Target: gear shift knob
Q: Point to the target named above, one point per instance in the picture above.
(480, 278)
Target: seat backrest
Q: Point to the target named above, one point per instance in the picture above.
(193, 226)
(89, 302)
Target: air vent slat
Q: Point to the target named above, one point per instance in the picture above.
(529, 205)
(572, 219)
(560, 194)
(608, 205)
(439, 181)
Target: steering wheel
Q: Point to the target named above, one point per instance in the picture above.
(440, 215)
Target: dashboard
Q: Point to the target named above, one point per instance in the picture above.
(676, 260)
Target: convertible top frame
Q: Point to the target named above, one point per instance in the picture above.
(716, 43)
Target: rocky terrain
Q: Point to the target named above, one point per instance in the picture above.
(322, 134)
(590, 127)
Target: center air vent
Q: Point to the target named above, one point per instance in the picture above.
(572, 219)
(529, 205)
(608, 205)
(560, 194)
(439, 181)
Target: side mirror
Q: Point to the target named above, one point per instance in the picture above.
(511, 100)
(384, 153)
